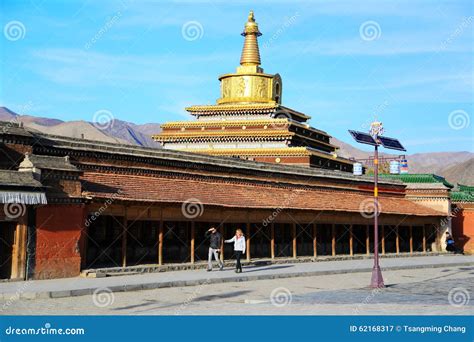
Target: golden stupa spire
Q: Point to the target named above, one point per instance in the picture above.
(250, 53)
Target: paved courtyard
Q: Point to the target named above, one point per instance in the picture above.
(427, 291)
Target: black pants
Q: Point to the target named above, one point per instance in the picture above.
(238, 255)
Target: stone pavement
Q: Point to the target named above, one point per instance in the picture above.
(66, 287)
(428, 291)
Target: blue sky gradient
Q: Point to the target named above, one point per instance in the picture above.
(415, 73)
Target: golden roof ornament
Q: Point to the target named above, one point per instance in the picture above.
(249, 85)
(250, 52)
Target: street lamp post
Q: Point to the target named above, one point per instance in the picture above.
(377, 279)
(375, 139)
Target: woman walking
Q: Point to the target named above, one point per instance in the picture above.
(239, 248)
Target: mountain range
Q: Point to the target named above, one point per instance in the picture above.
(456, 167)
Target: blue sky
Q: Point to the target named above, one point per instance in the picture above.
(409, 63)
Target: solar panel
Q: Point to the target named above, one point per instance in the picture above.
(363, 138)
(391, 143)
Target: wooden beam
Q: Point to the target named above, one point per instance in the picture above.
(294, 240)
(248, 241)
(124, 239)
(367, 239)
(424, 239)
(351, 241)
(411, 239)
(160, 239)
(315, 241)
(333, 240)
(272, 240)
(397, 240)
(383, 239)
(192, 241)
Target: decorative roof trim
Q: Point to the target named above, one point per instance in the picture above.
(419, 178)
(225, 123)
(227, 136)
(22, 197)
(236, 107)
(465, 188)
(277, 152)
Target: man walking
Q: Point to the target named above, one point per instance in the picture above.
(215, 239)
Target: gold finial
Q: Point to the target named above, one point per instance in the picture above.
(251, 17)
(250, 52)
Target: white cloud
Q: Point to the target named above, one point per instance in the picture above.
(79, 67)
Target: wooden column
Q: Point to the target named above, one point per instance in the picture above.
(397, 240)
(222, 231)
(424, 239)
(383, 239)
(411, 239)
(192, 241)
(247, 249)
(160, 240)
(315, 241)
(367, 239)
(437, 232)
(351, 241)
(124, 239)
(333, 240)
(294, 240)
(272, 240)
(18, 270)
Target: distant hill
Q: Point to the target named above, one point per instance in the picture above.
(455, 166)
(462, 173)
(116, 132)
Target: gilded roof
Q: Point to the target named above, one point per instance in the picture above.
(235, 123)
(266, 107)
(224, 135)
(225, 123)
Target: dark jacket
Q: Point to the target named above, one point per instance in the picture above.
(214, 239)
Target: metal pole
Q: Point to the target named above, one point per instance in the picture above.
(377, 280)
